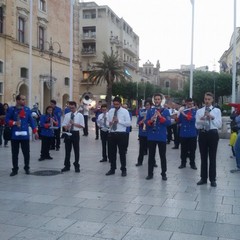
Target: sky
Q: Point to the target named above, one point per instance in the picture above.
(164, 28)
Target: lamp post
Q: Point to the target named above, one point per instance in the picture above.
(51, 53)
(144, 89)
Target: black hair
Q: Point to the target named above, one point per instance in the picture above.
(117, 99)
(53, 101)
(72, 103)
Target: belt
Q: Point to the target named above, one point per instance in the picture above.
(209, 131)
(74, 131)
(117, 133)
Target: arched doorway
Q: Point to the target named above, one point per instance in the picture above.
(65, 98)
(23, 90)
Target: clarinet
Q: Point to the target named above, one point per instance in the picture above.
(157, 109)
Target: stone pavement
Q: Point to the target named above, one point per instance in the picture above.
(92, 206)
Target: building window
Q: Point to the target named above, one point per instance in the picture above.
(21, 29)
(1, 88)
(42, 5)
(1, 67)
(1, 19)
(24, 73)
(66, 81)
(167, 84)
(41, 37)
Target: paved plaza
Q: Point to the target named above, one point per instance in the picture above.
(92, 206)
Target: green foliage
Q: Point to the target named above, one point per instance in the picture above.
(220, 83)
(109, 71)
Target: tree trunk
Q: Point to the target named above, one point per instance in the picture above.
(109, 94)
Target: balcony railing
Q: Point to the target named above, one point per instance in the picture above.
(88, 52)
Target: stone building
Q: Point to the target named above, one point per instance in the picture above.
(226, 61)
(50, 36)
(95, 29)
(102, 30)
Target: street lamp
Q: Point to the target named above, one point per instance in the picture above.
(51, 53)
(144, 89)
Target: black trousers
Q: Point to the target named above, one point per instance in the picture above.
(117, 140)
(15, 144)
(208, 143)
(151, 156)
(173, 129)
(85, 129)
(143, 146)
(72, 141)
(104, 139)
(188, 148)
(45, 147)
(55, 142)
(96, 130)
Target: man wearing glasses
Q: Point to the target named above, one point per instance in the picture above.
(19, 117)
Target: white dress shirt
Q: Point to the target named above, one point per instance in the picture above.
(214, 123)
(78, 119)
(123, 117)
(100, 122)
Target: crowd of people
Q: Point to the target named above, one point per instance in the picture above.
(158, 124)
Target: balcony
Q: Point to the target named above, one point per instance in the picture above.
(130, 50)
(131, 65)
(90, 36)
(86, 52)
(114, 40)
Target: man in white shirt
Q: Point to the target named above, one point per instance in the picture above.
(72, 123)
(208, 121)
(119, 120)
(103, 124)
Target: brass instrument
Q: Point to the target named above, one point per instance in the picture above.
(157, 109)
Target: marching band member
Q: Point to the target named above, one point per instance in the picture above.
(47, 123)
(72, 123)
(19, 118)
(142, 132)
(157, 120)
(188, 133)
(103, 124)
(119, 120)
(208, 121)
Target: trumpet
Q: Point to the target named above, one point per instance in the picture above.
(155, 116)
(143, 120)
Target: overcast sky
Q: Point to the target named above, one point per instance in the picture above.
(164, 29)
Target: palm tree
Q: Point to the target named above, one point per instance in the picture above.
(109, 70)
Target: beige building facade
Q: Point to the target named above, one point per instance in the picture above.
(50, 51)
(102, 30)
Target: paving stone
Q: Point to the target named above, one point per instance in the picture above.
(228, 218)
(184, 236)
(198, 215)
(182, 225)
(8, 231)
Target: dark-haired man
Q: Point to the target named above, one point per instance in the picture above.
(57, 111)
(188, 133)
(19, 118)
(157, 120)
(119, 120)
(72, 123)
(208, 121)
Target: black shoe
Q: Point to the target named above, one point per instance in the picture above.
(213, 184)
(103, 160)
(164, 178)
(182, 166)
(57, 149)
(194, 167)
(77, 170)
(65, 169)
(138, 164)
(124, 173)
(149, 177)
(110, 172)
(13, 174)
(201, 182)
(27, 172)
(49, 158)
(175, 147)
(52, 148)
(41, 159)
(155, 165)
(96, 138)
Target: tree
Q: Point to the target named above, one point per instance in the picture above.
(218, 83)
(109, 70)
